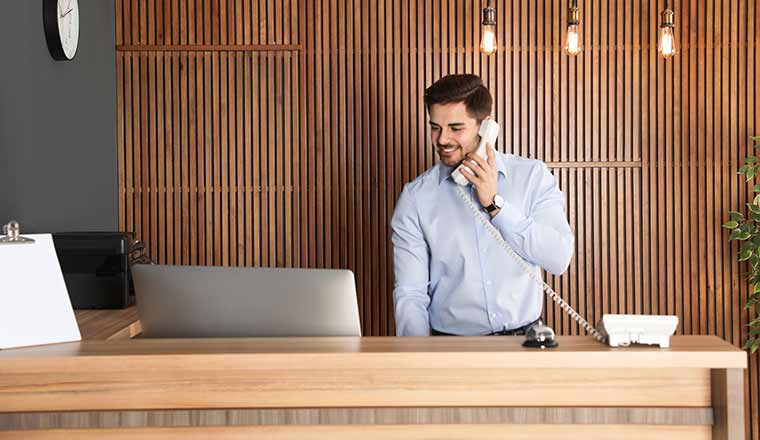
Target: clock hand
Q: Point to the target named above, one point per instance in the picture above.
(67, 12)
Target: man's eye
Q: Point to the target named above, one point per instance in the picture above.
(435, 128)
(456, 129)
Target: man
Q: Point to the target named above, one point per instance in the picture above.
(452, 276)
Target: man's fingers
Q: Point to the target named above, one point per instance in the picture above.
(469, 175)
(477, 159)
(489, 152)
(476, 167)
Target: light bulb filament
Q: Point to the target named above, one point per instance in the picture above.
(488, 42)
(573, 42)
(667, 44)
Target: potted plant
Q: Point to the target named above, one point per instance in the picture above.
(747, 231)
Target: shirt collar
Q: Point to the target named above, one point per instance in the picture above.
(444, 172)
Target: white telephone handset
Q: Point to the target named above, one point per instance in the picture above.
(616, 330)
(489, 131)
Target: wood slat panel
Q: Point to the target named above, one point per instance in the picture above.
(378, 432)
(280, 134)
(145, 25)
(358, 416)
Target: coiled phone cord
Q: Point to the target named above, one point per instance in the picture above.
(527, 269)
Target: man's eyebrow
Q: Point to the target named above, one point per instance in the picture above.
(453, 124)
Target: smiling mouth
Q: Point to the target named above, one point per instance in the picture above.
(447, 150)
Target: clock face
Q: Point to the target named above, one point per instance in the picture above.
(68, 26)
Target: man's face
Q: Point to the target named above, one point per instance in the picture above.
(454, 132)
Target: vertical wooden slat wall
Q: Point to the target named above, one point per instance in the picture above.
(262, 133)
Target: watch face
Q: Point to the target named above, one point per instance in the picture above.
(498, 201)
(68, 26)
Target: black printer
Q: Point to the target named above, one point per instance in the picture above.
(95, 267)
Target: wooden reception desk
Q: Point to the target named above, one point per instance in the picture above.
(372, 387)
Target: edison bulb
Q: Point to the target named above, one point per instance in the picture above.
(488, 43)
(573, 43)
(667, 44)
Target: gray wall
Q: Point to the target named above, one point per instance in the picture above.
(58, 122)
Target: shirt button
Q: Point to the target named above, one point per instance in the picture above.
(488, 283)
(493, 315)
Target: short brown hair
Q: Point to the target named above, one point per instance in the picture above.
(461, 88)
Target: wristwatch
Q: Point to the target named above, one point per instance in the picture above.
(498, 202)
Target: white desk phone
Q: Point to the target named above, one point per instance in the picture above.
(615, 330)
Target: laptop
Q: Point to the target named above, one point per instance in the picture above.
(223, 302)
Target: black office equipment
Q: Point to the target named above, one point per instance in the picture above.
(95, 267)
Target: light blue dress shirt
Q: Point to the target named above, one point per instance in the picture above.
(452, 275)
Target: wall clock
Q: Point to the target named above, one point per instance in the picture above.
(61, 20)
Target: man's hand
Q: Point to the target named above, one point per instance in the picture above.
(484, 176)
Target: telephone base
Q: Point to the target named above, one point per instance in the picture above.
(625, 341)
(624, 330)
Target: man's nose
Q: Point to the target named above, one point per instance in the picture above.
(443, 138)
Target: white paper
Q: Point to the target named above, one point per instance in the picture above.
(35, 307)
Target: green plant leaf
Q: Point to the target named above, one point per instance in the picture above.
(744, 255)
(753, 208)
(743, 169)
(755, 323)
(756, 289)
(756, 187)
(751, 302)
(737, 216)
(751, 173)
(756, 138)
(750, 159)
(733, 224)
(735, 234)
(752, 344)
(748, 227)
